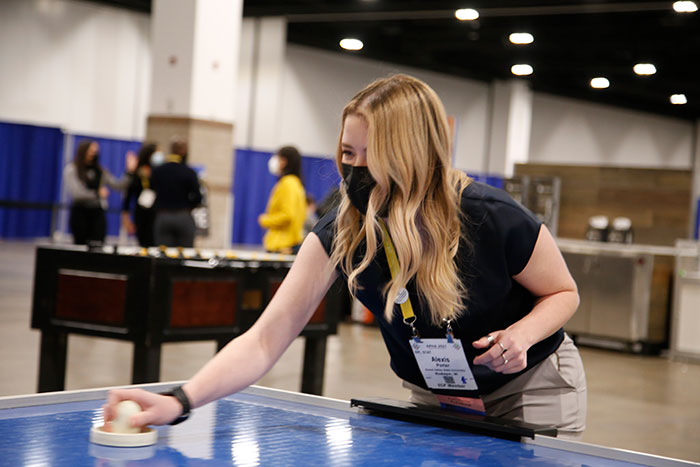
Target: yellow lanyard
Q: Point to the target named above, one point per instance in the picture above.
(406, 308)
(174, 158)
(145, 182)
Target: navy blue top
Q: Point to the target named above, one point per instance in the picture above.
(502, 234)
(176, 186)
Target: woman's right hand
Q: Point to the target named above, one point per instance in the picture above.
(157, 409)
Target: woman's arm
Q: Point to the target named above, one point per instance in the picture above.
(248, 357)
(122, 183)
(547, 277)
(115, 183)
(195, 192)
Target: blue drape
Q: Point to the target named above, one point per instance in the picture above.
(697, 220)
(320, 176)
(493, 180)
(30, 171)
(112, 157)
(252, 184)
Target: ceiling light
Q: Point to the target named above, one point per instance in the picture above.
(600, 83)
(679, 99)
(521, 38)
(685, 7)
(521, 69)
(466, 14)
(644, 69)
(351, 44)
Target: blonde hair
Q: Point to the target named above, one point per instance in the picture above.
(408, 155)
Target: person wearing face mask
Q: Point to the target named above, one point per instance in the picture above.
(468, 287)
(286, 208)
(141, 194)
(177, 191)
(86, 181)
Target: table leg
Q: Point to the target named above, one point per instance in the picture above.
(314, 365)
(52, 361)
(146, 365)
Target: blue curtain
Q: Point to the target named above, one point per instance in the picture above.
(30, 171)
(320, 176)
(493, 180)
(112, 157)
(697, 220)
(252, 184)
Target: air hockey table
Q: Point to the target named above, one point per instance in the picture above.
(261, 426)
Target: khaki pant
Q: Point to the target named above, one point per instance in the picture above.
(553, 393)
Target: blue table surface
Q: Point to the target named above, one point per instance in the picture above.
(252, 430)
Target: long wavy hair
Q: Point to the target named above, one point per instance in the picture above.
(408, 155)
(80, 160)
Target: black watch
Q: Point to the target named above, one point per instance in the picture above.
(181, 397)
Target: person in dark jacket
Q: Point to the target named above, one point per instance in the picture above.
(177, 192)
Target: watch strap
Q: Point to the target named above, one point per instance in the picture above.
(178, 393)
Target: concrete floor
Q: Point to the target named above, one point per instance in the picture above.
(640, 403)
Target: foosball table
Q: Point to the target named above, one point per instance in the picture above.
(158, 295)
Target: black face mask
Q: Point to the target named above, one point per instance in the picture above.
(359, 184)
(94, 161)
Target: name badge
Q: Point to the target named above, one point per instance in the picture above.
(443, 364)
(147, 198)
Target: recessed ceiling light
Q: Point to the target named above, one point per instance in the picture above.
(351, 44)
(466, 14)
(521, 38)
(644, 69)
(521, 69)
(679, 99)
(600, 83)
(685, 7)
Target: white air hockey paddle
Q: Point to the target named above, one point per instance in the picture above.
(120, 434)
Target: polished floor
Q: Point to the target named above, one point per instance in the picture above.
(640, 403)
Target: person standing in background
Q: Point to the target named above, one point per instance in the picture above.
(286, 208)
(140, 190)
(177, 193)
(86, 181)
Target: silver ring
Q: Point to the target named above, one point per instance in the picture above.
(504, 350)
(490, 339)
(505, 360)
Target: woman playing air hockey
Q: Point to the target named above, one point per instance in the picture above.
(469, 289)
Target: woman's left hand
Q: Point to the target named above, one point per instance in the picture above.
(507, 351)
